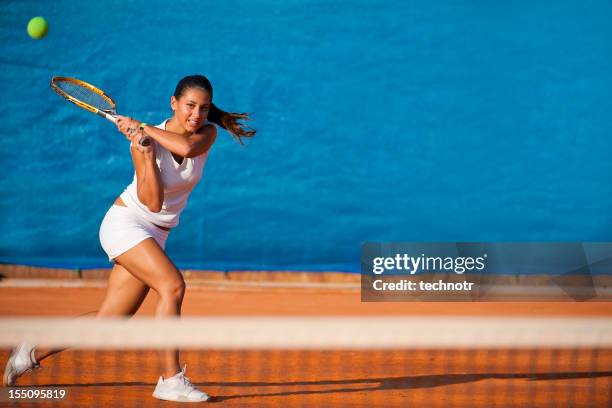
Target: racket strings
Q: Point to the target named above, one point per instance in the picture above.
(85, 95)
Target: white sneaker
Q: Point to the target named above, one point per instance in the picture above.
(178, 388)
(21, 361)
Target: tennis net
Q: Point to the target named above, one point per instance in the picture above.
(312, 362)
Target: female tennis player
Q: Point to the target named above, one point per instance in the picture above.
(134, 230)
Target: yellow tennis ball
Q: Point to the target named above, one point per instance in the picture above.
(38, 28)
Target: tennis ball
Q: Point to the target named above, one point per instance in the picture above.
(38, 28)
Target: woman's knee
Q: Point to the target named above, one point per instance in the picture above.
(172, 289)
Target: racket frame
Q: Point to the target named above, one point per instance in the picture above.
(108, 114)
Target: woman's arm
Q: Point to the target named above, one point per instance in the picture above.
(185, 146)
(149, 186)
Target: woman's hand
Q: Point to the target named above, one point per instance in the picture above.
(149, 150)
(130, 129)
(127, 126)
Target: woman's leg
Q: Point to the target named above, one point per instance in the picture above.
(124, 295)
(149, 264)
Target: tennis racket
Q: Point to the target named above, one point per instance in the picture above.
(88, 97)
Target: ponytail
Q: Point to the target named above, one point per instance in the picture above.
(231, 122)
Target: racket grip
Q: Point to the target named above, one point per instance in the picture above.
(145, 141)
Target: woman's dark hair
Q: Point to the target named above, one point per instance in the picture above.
(228, 121)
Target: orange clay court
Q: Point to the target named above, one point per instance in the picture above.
(262, 378)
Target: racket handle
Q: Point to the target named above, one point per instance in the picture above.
(145, 141)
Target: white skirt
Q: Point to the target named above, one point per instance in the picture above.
(122, 229)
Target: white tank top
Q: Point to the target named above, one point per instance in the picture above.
(178, 180)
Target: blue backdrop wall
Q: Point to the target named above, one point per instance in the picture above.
(377, 121)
